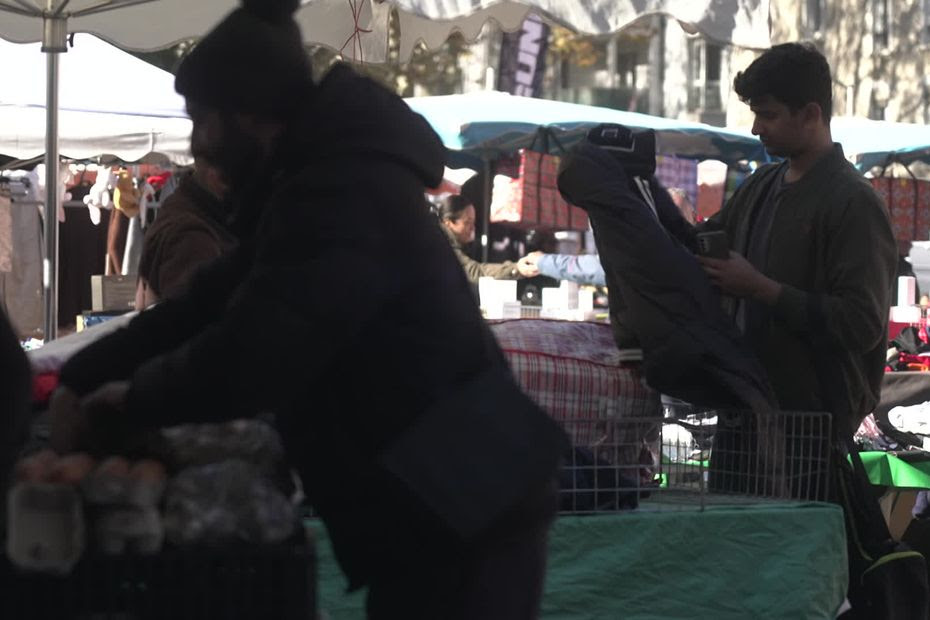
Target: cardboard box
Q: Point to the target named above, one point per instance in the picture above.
(112, 293)
(896, 506)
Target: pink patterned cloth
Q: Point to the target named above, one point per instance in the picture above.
(572, 370)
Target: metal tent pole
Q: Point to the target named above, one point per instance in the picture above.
(486, 211)
(53, 43)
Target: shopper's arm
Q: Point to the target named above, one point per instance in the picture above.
(583, 268)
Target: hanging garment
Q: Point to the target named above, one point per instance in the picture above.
(6, 234)
(21, 285)
(691, 349)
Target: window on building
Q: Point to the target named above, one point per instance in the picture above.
(705, 61)
(881, 23)
(626, 68)
(813, 15)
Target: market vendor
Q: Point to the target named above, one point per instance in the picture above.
(457, 216)
(381, 374)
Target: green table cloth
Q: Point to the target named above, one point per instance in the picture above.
(887, 469)
(767, 560)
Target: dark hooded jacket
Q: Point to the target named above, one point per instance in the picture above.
(691, 348)
(346, 314)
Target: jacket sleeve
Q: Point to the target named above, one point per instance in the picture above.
(860, 265)
(181, 257)
(583, 268)
(506, 270)
(295, 312)
(155, 331)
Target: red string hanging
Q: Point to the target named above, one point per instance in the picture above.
(355, 38)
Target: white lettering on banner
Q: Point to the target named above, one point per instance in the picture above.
(529, 53)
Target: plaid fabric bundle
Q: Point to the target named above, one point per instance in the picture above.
(908, 203)
(525, 194)
(571, 369)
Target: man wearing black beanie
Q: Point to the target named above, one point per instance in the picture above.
(345, 313)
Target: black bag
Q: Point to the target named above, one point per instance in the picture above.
(887, 579)
(477, 452)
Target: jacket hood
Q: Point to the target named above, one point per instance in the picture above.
(353, 117)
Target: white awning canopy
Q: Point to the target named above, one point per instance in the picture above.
(360, 27)
(110, 103)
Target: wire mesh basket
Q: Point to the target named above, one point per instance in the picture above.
(690, 459)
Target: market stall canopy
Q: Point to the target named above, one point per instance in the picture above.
(874, 143)
(744, 23)
(110, 103)
(360, 27)
(481, 124)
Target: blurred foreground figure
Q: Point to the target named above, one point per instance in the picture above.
(344, 312)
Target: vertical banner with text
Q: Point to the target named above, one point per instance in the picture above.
(523, 58)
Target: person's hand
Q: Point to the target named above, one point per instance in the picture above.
(93, 422)
(67, 422)
(736, 276)
(527, 266)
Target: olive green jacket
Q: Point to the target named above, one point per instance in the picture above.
(506, 270)
(832, 249)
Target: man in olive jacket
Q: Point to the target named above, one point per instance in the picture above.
(344, 312)
(812, 252)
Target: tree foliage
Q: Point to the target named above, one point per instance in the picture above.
(577, 49)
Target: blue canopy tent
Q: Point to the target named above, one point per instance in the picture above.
(477, 125)
(477, 128)
(877, 143)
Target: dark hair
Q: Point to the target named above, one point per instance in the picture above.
(794, 74)
(451, 207)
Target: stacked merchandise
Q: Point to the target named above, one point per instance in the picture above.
(203, 516)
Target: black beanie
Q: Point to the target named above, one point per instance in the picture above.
(253, 61)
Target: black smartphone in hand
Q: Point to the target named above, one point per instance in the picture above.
(713, 244)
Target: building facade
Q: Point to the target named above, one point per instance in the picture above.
(879, 51)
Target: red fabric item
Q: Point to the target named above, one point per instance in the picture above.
(908, 203)
(532, 200)
(158, 180)
(42, 387)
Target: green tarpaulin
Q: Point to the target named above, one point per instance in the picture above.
(775, 560)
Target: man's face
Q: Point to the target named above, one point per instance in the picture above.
(221, 139)
(463, 227)
(783, 132)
